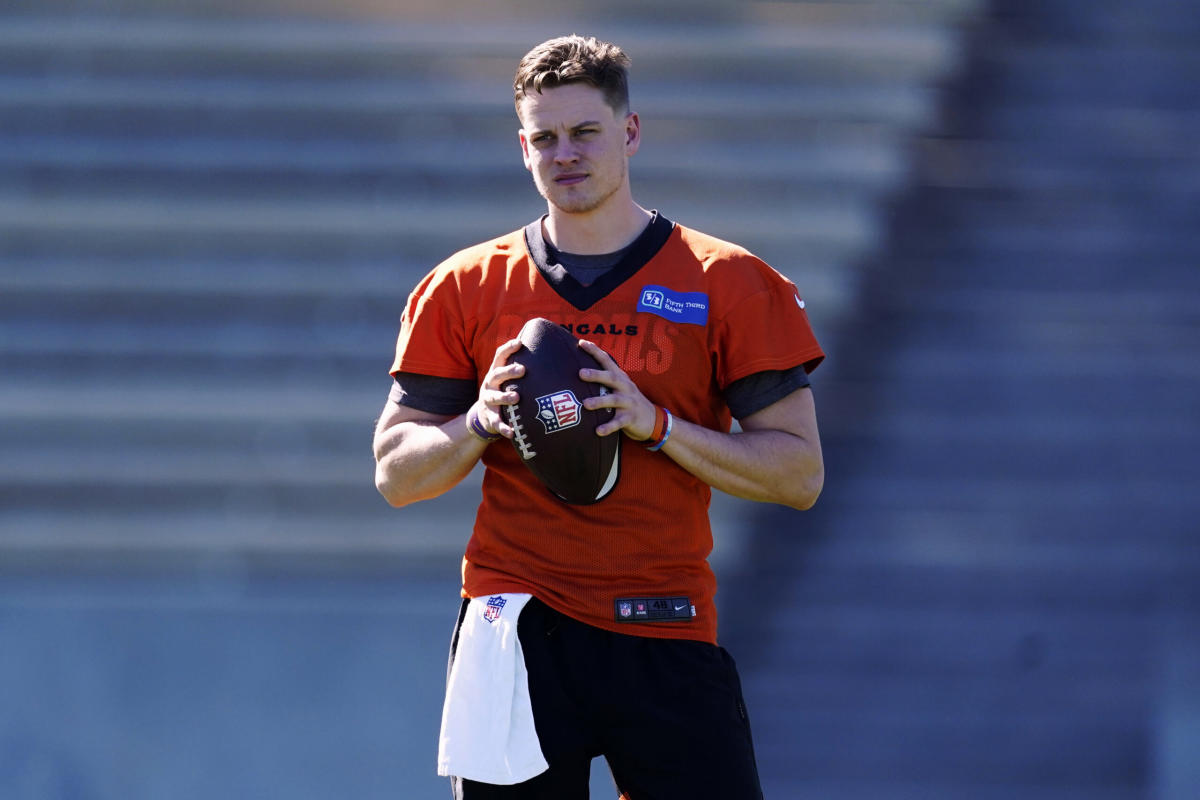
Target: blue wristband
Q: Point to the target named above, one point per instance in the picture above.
(476, 428)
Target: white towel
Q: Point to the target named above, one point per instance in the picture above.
(487, 721)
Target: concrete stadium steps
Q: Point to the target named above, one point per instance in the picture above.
(370, 175)
(166, 47)
(988, 598)
(291, 280)
(331, 98)
(825, 71)
(144, 238)
(284, 107)
(1158, 73)
(702, 12)
(121, 469)
(211, 215)
(1160, 21)
(896, 790)
(268, 227)
(967, 677)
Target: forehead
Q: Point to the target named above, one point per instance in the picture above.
(564, 106)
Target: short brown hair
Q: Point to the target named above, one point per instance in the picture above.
(575, 59)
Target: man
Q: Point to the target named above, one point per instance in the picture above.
(556, 659)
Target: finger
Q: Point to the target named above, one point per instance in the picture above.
(592, 375)
(508, 372)
(633, 413)
(490, 417)
(504, 352)
(613, 378)
(598, 353)
(608, 400)
(500, 370)
(502, 426)
(618, 422)
(495, 398)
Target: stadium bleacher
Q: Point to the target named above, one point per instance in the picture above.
(996, 596)
(211, 213)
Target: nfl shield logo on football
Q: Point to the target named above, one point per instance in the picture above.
(625, 609)
(559, 410)
(494, 606)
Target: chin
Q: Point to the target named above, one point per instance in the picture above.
(577, 205)
(575, 208)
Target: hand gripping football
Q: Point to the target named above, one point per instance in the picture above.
(554, 435)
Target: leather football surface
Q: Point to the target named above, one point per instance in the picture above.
(555, 436)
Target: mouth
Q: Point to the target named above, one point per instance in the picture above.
(570, 178)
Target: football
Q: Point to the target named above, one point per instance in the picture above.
(554, 435)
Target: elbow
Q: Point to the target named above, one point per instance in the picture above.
(807, 500)
(805, 492)
(395, 492)
(388, 490)
(400, 490)
(391, 490)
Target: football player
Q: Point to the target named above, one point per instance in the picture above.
(591, 630)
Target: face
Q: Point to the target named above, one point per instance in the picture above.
(576, 146)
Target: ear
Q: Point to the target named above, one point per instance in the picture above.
(633, 133)
(524, 149)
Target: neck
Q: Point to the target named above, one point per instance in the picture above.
(597, 232)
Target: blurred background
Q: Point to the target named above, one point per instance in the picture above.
(212, 212)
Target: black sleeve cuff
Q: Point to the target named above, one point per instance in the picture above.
(451, 396)
(755, 392)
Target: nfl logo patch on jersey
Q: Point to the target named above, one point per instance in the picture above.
(559, 410)
(494, 606)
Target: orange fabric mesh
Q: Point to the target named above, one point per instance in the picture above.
(651, 536)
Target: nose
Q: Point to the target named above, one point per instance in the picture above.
(564, 151)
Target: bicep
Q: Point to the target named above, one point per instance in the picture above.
(417, 455)
(794, 452)
(395, 414)
(795, 413)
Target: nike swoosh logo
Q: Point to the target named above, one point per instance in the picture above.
(681, 608)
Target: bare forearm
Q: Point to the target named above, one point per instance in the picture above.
(419, 460)
(767, 465)
(775, 458)
(420, 454)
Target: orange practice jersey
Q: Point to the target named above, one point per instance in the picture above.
(699, 314)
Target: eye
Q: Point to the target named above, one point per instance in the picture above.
(541, 139)
(583, 132)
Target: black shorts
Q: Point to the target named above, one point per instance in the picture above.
(666, 714)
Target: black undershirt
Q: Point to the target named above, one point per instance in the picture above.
(586, 269)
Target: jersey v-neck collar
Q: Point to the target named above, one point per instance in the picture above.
(644, 248)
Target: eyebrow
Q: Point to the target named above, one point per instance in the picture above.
(588, 123)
